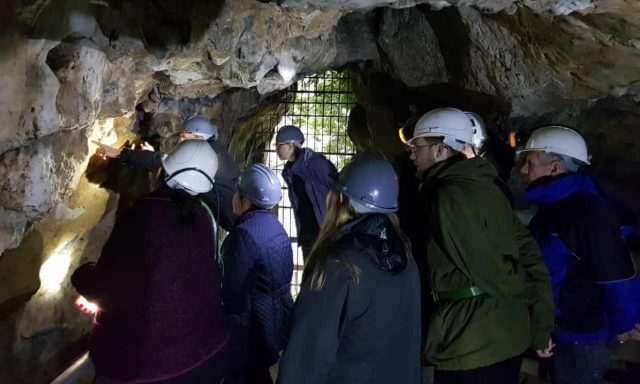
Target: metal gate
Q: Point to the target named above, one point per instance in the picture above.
(320, 106)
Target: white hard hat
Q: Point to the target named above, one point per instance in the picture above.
(479, 130)
(452, 124)
(192, 166)
(559, 140)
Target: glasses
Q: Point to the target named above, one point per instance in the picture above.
(415, 148)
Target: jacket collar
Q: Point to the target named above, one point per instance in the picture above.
(371, 224)
(461, 169)
(551, 189)
(374, 235)
(300, 161)
(440, 168)
(249, 214)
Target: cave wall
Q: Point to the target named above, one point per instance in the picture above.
(121, 71)
(519, 70)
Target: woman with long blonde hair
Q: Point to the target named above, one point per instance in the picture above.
(357, 318)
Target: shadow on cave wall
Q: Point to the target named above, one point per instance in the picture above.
(161, 24)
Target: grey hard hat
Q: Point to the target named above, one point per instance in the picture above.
(261, 186)
(290, 134)
(201, 126)
(192, 166)
(370, 183)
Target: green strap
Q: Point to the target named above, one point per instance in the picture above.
(457, 294)
(215, 237)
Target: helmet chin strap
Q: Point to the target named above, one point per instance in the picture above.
(176, 173)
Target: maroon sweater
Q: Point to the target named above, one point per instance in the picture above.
(158, 288)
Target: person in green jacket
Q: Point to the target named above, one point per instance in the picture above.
(491, 287)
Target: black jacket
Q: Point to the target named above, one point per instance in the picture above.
(365, 332)
(218, 199)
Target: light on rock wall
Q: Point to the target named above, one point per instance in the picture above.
(287, 68)
(103, 131)
(55, 269)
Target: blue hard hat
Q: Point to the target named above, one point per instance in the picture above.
(290, 134)
(201, 126)
(370, 183)
(261, 186)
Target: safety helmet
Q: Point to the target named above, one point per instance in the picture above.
(192, 166)
(201, 126)
(370, 183)
(452, 124)
(290, 134)
(479, 130)
(559, 140)
(261, 186)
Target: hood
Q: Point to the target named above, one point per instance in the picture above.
(303, 156)
(550, 189)
(374, 235)
(476, 170)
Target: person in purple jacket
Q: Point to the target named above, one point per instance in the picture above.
(158, 284)
(309, 177)
(258, 265)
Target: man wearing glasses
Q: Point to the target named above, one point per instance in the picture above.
(486, 274)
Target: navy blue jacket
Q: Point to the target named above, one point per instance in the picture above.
(595, 284)
(318, 175)
(365, 332)
(256, 286)
(218, 199)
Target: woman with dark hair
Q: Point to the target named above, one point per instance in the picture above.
(157, 283)
(357, 318)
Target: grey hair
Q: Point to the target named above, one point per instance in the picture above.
(568, 163)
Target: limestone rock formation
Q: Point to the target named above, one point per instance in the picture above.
(418, 62)
(73, 71)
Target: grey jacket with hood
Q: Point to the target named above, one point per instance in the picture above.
(365, 332)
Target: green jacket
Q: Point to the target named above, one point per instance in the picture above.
(475, 239)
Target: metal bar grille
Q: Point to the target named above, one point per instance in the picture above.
(320, 106)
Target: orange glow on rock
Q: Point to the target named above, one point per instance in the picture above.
(512, 139)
